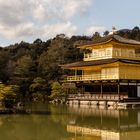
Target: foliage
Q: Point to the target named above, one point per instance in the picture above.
(106, 33)
(56, 90)
(60, 90)
(8, 94)
(39, 84)
(4, 59)
(96, 36)
(25, 66)
(38, 89)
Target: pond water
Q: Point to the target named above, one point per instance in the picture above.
(60, 122)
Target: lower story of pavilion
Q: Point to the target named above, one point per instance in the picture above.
(109, 90)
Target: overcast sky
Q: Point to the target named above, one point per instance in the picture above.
(30, 19)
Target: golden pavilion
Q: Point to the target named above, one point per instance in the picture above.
(110, 71)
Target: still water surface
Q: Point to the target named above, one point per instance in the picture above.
(49, 122)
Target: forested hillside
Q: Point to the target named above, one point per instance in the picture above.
(34, 67)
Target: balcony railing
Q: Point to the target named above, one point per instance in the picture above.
(92, 77)
(88, 57)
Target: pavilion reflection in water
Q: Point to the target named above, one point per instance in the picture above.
(98, 124)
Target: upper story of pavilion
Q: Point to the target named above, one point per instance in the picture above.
(111, 46)
(109, 58)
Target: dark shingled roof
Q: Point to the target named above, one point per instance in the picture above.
(99, 62)
(112, 37)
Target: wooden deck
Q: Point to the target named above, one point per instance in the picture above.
(105, 100)
(97, 97)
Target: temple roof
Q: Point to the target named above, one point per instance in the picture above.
(110, 38)
(99, 62)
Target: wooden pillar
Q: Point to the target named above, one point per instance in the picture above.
(75, 75)
(75, 72)
(118, 91)
(128, 88)
(82, 74)
(137, 88)
(101, 89)
(83, 90)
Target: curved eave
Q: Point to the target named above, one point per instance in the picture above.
(83, 64)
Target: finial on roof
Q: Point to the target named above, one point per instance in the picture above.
(114, 29)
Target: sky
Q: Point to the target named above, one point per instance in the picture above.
(27, 20)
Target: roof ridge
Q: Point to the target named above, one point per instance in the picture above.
(108, 38)
(115, 36)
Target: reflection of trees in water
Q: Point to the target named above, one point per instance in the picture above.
(32, 127)
(61, 114)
